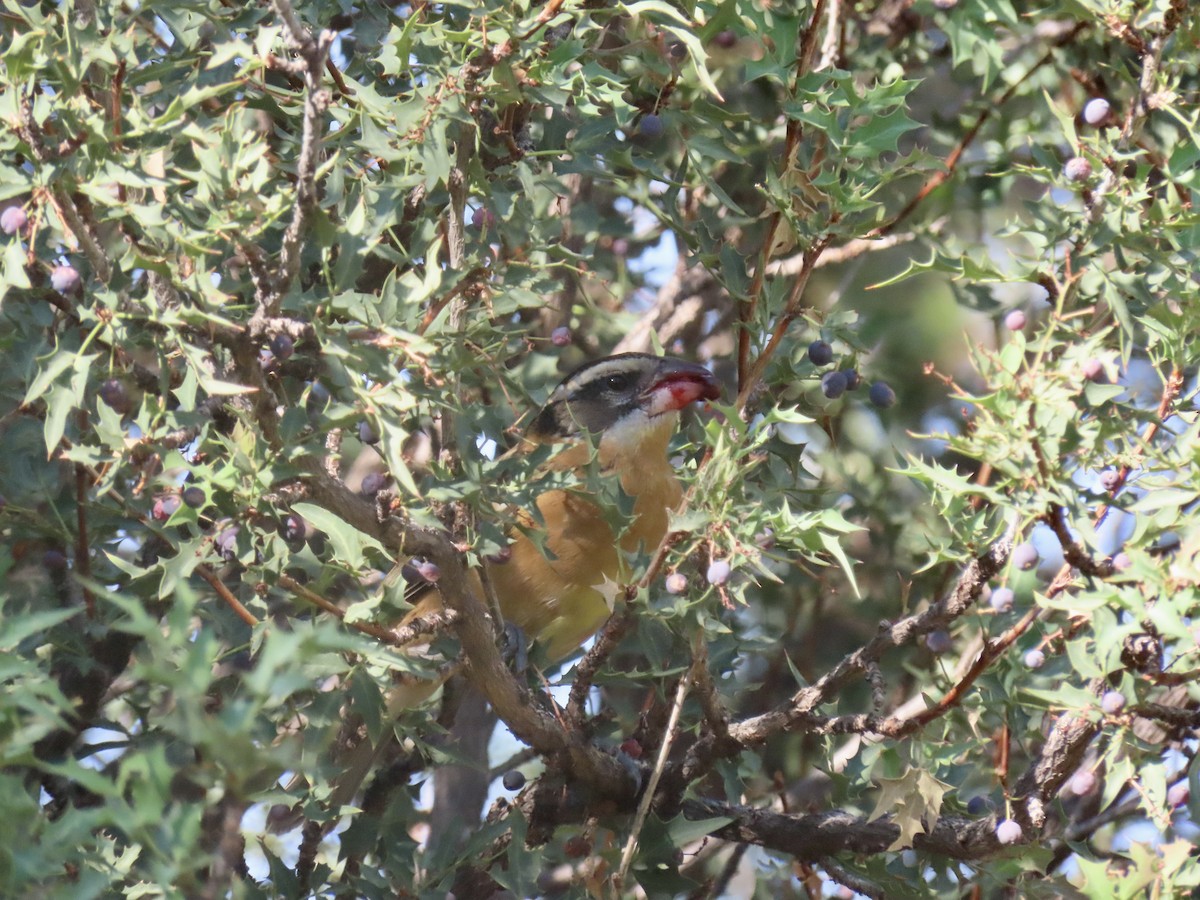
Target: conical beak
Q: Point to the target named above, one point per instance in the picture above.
(678, 383)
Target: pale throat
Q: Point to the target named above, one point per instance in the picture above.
(637, 448)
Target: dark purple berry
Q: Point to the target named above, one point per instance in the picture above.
(1093, 369)
(54, 560)
(114, 395)
(651, 126)
(318, 399)
(64, 279)
(366, 433)
(560, 336)
(726, 39)
(152, 550)
(881, 395)
(833, 384)
(939, 641)
(294, 529)
(820, 353)
(514, 780)
(1121, 562)
(482, 218)
(853, 379)
(226, 543)
(978, 805)
(1015, 320)
(1025, 556)
(283, 346)
(373, 483)
(429, 571)
(13, 220)
(194, 497)
(1110, 478)
(1035, 658)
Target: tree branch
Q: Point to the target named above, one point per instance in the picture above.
(816, 836)
(316, 101)
(937, 179)
(977, 573)
(83, 230)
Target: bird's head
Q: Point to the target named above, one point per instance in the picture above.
(622, 401)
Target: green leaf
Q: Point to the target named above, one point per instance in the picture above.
(15, 629)
(349, 544)
(14, 269)
(56, 363)
(913, 801)
(684, 831)
(59, 405)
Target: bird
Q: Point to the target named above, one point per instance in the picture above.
(558, 582)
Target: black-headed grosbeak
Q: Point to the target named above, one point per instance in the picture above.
(623, 408)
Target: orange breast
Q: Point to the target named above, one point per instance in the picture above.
(561, 598)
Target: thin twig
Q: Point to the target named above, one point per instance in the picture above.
(710, 700)
(1139, 111)
(991, 651)
(656, 773)
(792, 134)
(856, 883)
(729, 869)
(464, 284)
(314, 53)
(84, 231)
(396, 637)
(606, 642)
(937, 179)
(1172, 715)
(617, 626)
(965, 593)
(225, 594)
(1171, 388)
(831, 47)
(423, 626)
(82, 550)
(748, 381)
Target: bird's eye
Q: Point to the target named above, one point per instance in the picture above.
(616, 382)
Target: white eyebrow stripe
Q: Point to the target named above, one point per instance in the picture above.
(599, 370)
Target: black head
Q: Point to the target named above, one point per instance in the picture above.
(618, 389)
